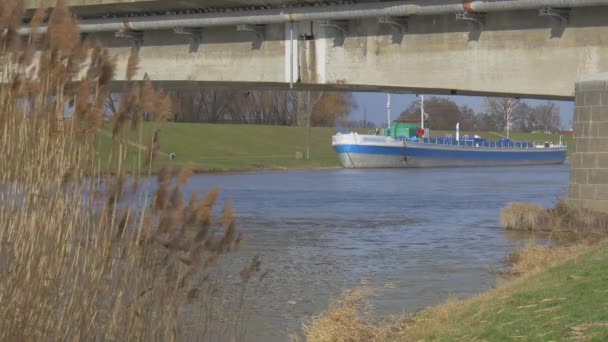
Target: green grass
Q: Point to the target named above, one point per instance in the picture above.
(214, 147)
(236, 147)
(568, 301)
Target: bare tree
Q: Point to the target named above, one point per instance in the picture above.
(443, 114)
(503, 110)
(548, 117)
(330, 107)
(215, 105)
(111, 105)
(357, 124)
(265, 107)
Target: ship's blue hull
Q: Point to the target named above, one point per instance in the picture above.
(430, 155)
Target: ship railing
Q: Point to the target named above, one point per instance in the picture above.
(477, 144)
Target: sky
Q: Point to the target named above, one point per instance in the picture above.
(376, 106)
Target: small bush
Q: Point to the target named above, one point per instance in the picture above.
(534, 259)
(564, 219)
(524, 216)
(347, 319)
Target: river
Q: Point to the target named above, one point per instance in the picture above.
(420, 235)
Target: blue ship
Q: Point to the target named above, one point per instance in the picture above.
(410, 146)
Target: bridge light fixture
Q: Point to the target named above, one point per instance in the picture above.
(477, 19)
(400, 23)
(135, 37)
(258, 30)
(562, 14)
(195, 35)
(338, 25)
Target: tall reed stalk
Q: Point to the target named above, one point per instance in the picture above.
(83, 255)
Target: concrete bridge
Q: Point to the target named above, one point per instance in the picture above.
(522, 48)
(515, 47)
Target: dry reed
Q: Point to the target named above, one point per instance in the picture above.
(534, 259)
(564, 220)
(81, 258)
(350, 319)
(346, 319)
(523, 216)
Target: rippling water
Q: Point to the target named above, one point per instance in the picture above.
(421, 235)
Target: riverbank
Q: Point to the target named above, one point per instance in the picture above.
(548, 292)
(222, 148)
(560, 294)
(562, 298)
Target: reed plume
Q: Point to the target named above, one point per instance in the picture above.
(63, 32)
(132, 64)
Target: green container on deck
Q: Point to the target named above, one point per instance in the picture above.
(404, 129)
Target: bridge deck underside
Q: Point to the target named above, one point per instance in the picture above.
(93, 8)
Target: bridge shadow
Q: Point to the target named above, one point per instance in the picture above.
(256, 44)
(474, 35)
(397, 37)
(557, 28)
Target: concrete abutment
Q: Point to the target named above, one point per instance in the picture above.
(589, 162)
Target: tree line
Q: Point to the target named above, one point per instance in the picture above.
(443, 114)
(330, 109)
(265, 107)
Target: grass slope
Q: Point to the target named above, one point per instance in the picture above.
(565, 302)
(237, 147)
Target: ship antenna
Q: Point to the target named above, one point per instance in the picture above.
(388, 111)
(422, 112)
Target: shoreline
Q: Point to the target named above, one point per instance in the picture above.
(263, 169)
(543, 300)
(546, 292)
(215, 171)
(219, 171)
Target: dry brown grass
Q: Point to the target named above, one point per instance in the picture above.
(523, 216)
(346, 320)
(81, 256)
(565, 220)
(350, 319)
(534, 259)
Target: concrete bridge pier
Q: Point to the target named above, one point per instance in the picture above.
(589, 162)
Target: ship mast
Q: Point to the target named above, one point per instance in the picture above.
(422, 112)
(388, 111)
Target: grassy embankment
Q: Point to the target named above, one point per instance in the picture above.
(249, 147)
(237, 147)
(562, 302)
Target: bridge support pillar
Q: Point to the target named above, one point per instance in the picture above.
(589, 161)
